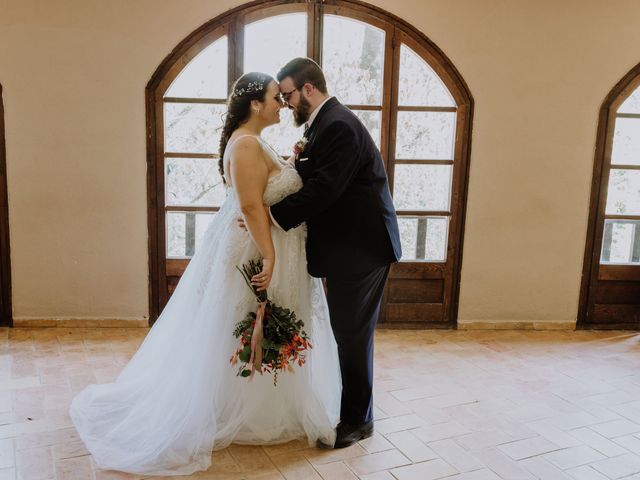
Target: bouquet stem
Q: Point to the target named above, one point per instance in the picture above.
(256, 340)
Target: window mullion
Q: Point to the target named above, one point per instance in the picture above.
(393, 103)
(236, 49)
(621, 217)
(191, 208)
(408, 108)
(423, 161)
(628, 115)
(368, 108)
(316, 17)
(387, 70)
(190, 155)
(623, 166)
(424, 213)
(207, 101)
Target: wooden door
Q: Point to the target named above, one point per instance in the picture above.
(610, 296)
(6, 316)
(430, 125)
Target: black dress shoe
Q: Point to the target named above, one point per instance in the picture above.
(347, 434)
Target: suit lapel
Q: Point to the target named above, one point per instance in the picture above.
(310, 133)
(332, 102)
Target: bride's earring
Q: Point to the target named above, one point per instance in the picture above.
(257, 110)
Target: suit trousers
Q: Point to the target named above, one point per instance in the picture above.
(354, 306)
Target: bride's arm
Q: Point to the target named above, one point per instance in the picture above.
(249, 174)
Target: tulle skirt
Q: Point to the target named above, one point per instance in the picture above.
(179, 398)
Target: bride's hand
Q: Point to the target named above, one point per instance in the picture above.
(262, 280)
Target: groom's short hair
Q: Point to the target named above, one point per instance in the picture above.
(304, 70)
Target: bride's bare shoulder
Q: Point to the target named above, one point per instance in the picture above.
(246, 153)
(244, 143)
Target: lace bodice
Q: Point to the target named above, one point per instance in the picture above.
(280, 184)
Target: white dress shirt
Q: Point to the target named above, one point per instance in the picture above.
(314, 114)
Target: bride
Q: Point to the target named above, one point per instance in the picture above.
(179, 398)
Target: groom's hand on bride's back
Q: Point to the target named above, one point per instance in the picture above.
(243, 225)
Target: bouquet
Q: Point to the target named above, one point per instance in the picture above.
(272, 339)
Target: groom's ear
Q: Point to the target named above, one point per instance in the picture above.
(308, 89)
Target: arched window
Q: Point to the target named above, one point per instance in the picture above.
(6, 316)
(403, 88)
(610, 291)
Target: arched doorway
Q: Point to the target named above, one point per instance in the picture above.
(404, 89)
(610, 290)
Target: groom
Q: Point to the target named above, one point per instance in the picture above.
(352, 230)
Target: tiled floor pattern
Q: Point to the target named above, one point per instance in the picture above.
(461, 405)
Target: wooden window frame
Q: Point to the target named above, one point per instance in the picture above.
(593, 271)
(396, 30)
(6, 319)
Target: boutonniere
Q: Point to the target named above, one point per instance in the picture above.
(299, 146)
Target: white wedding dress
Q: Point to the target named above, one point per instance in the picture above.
(179, 397)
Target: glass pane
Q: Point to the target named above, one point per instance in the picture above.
(353, 60)
(621, 243)
(632, 103)
(626, 142)
(623, 196)
(283, 136)
(422, 187)
(425, 135)
(419, 85)
(205, 76)
(193, 181)
(424, 238)
(192, 127)
(270, 43)
(371, 120)
(184, 232)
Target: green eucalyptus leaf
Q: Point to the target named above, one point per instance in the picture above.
(245, 355)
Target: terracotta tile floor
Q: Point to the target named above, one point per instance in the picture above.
(461, 405)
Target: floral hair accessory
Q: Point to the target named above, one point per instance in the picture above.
(255, 86)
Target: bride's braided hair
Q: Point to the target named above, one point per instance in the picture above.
(250, 86)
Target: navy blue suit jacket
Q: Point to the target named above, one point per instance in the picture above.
(351, 221)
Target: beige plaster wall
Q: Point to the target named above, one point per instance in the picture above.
(74, 73)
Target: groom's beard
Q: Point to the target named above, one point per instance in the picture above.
(301, 112)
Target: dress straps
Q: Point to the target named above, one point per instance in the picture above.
(257, 137)
(266, 148)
